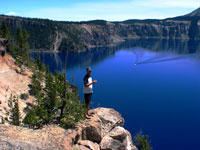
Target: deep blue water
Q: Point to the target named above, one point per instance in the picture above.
(160, 95)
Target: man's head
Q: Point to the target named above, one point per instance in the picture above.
(88, 70)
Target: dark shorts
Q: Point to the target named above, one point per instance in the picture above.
(88, 98)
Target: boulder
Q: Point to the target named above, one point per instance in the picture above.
(92, 130)
(109, 143)
(117, 138)
(109, 119)
(129, 142)
(89, 144)
(80, 147)
(118, 133)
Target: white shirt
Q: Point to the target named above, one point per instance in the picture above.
(87, 79)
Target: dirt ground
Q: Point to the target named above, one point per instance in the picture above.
(13, 83)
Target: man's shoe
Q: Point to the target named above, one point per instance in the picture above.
(87, 117)
(90, 114)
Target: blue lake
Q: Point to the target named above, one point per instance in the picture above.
(154, 84)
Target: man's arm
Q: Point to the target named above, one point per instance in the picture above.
(88, 84)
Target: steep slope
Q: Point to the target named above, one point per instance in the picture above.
(12, 83)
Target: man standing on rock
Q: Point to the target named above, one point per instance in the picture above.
(88, 89)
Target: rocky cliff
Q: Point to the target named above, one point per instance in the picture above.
(104, 131)
(63, 36)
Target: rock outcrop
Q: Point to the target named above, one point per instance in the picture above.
(103, 131)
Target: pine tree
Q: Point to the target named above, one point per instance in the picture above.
(142, 141)
(22, 46)
(25, 35)
(50, 99)
(4, 29)
(19, 37)
(6, 33)
(17, 42)
(14, 110)
(39, 64)
(11, 43)
(16, 114)
(65, 87)
(35, 85)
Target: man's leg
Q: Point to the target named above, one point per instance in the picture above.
(88, 98)
(86, 104)
(87, 109)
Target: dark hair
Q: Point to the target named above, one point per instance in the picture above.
(88, 69)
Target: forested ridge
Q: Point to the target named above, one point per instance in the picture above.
(48, 35)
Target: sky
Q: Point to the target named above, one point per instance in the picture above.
(110, 10)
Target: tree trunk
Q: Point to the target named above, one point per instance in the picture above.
(65, 86)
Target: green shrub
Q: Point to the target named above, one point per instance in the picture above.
(35, 84)
(24, 96)
(142, 141)
(15, 115)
